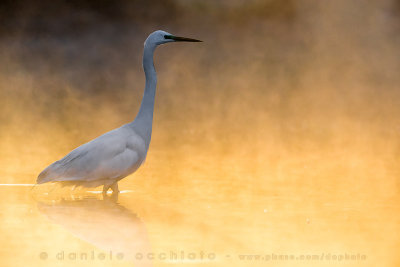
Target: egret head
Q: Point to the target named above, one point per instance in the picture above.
(162, 37)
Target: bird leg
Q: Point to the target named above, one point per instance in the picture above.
(114, 188)
(105, 189)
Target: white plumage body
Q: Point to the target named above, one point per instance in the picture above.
(102, 161)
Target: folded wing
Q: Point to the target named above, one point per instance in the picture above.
(110, 156)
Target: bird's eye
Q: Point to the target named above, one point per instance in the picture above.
(167, 37)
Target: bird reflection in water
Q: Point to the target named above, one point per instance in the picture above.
(103, 223)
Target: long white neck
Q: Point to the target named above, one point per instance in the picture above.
(144, 119)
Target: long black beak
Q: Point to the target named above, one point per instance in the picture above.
(181, 39)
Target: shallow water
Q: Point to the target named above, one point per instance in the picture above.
(304, 212)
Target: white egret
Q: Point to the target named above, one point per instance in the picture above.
(120, 152)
